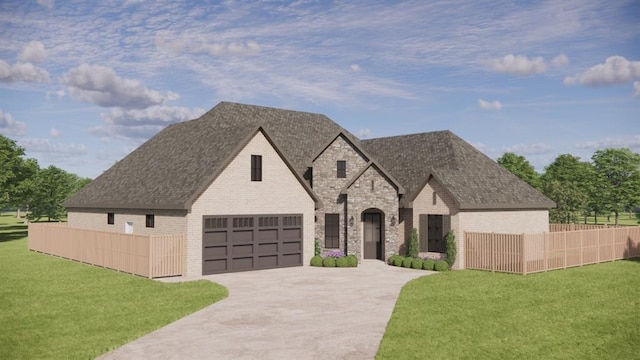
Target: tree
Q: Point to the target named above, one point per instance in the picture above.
(52, 187)
(568, 182)
(412, 249)
(617, 178)
(520, 167)
(25, 188)
(11, 163)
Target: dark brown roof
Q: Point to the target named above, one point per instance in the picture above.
(171, 169)
(473, 179)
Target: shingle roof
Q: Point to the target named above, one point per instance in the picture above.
(473, 179)
(169, 170)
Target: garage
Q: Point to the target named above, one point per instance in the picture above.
(251, 242)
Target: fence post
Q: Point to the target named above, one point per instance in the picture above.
(150, 257)
(493, 254)
(613, 244)
(598, 247)
(564, 236)
(523, 258)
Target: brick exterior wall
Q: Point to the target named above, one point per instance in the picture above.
(166, 222)
(233, 193)
(498, 221)
(382, 196)
(327, 186)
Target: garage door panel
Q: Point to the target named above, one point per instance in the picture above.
(244, 263)
(291, 259)
(268, 248)
(243, 249)
(215, 238)
(268, 235)
(292, 246)
(214, 266)
(215, 252)
(270, 261)
(242, 236)
(292, 234)
(251, 242)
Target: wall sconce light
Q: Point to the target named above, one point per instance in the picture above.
(351, 220)
(393, 220)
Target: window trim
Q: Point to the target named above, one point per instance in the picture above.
(332, 231)
(341, 169)
(256, 167)
(111, 218)
(150, 220)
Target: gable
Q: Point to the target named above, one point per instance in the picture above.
(233, 190)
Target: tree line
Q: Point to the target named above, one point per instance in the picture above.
(24, 185)
(609, 183)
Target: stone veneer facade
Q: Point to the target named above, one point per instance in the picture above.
(359, 197)
(372, 190)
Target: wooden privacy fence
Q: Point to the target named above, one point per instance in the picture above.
(575, 227)
(150, 256)
(530, 253)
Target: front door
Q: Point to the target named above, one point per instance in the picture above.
(372, 236)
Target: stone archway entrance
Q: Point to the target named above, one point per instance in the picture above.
(373, 237)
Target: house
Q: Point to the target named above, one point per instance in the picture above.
(252, 187)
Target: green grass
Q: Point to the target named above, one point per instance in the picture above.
(623, 219)
(54, 308)
(591, 312)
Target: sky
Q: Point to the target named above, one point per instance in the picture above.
(83, 83)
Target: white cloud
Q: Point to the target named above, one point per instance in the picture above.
(26, 72)
(55, 133)
(615, 70)
(364, 133)
(636, 87)
(489, 105)
(39, 145)
(611, 142)
(520, 64)
(46, 3)
(142, 124)
(355, 67)
(100, 85)
(33, 52)
(528, 149)
(9, 126)
(234, 48)
(58, 93)
(560, 60)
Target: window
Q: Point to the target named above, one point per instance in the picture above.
(256, 167)
(342, 169)
(111, 218)
(150, 221)
(432, 233)
(332, 231)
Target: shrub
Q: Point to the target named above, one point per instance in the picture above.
(406, 262)
(398, 260)
(417, 263)
(352, 261)
(317, 250)
(428, 264)
(329, 262)
(441, 266)
(393, 258)
(412, 248)
(451, 248)
(316, 261)
(342, 262)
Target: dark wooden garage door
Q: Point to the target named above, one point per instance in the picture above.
(251, 242)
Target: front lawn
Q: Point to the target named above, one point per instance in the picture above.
(591, 312)
(60, 309)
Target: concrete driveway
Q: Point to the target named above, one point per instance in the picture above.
(292, 313)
